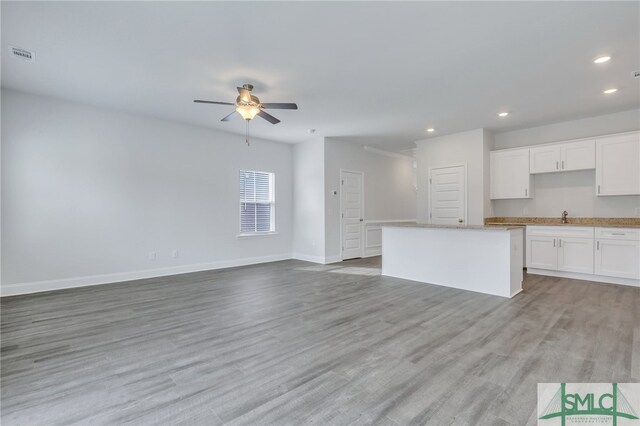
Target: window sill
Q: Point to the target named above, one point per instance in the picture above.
(256, 235)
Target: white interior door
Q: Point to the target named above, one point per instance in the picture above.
(448, 196)
(351, 214)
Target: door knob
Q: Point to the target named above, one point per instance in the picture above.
(361, 220)
(460, 220)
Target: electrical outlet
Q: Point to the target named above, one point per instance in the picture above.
(638, 211)
(175, 254)
(525, 211)
(152, 255)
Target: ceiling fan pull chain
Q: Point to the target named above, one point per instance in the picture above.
(247, 138)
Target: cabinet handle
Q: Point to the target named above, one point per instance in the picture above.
(598, 189)
(598, 245)
(526, 192)
(559, 242)
(562, 164)
(554, 242)
(557, 166)
(618, 233)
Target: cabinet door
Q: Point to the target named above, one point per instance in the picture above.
(578, 156)
(575, 255)
(618, 258)
(542, 253)
(544, 159)
(618, 165)
(510, 176)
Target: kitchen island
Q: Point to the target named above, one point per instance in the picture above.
(485, 259)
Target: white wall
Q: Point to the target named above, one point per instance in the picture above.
(571, 191)
(619, 122)
(468, 147)
(388, 187)
(88, 192)
(308, 194)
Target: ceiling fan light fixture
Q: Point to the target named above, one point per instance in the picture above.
(248, 112)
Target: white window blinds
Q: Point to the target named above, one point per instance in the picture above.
(257, 202)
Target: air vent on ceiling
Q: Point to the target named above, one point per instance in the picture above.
(636, 74)
(24, 54)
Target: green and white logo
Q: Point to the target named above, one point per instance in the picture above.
(563, 404)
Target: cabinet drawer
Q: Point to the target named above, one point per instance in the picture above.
(561, 231)
(618, 233)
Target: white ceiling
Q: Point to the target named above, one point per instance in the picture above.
(372, 72)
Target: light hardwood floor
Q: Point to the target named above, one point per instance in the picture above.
(292, 342)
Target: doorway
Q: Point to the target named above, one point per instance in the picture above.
(351, 213)
(448, 195)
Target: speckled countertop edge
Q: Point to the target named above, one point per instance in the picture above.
(600, 222)
(499, 227)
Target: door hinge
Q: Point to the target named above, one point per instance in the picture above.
(430, 180)
(430, 215)
(342, 214)
(342, 182)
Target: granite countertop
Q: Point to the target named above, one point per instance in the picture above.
(500, 227)
(599, 222)
(560, 224)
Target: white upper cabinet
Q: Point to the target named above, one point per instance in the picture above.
(618, 165)
(578, 156)
(545, 159)
(510, 176)
(563, 157)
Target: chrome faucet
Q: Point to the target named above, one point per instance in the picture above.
(564, 216)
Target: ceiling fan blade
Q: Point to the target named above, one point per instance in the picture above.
(230, 116)
(212, 102)
(280, 106)
(270, 118)
(245, 95)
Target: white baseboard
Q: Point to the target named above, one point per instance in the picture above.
(39, 286)
(316, 259)
(383, 221)
(373, 251)
(308, 258)
(585, 277)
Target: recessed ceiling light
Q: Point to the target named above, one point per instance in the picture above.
(602, 59)
(431, 129)
(503, 114)
(609, 91)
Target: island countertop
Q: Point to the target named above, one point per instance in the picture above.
(432, 226)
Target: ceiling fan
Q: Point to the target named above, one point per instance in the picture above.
(248, 106)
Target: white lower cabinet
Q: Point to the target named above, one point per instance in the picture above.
(542, 252)
(618, 252)
(575, 255)
(604, 252)
(568, 249)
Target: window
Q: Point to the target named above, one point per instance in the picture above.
(257, 202)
